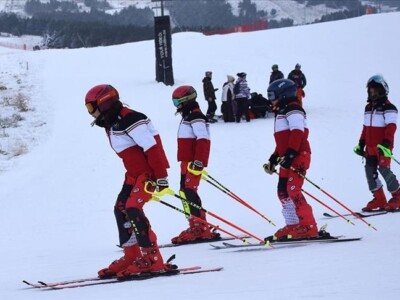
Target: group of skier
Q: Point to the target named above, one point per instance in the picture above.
(235, 98)
(136, 141)
(296, 75)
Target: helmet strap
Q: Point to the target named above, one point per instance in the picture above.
(99, 121)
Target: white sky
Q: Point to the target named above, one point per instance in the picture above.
(57, 201)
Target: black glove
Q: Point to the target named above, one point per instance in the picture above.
(269, 167)
(161, 184)
(195, 167)
(158, 188)
(359, 149)
(287, 159)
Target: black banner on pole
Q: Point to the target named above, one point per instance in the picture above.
(163, 41)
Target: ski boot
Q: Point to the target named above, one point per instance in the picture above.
(377, 203)
(394, 202)
(196, 232)
(130, 254)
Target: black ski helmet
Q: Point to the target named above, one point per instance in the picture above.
(379, 81)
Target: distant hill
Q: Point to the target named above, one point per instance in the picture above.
(91, 23)
(301, 12)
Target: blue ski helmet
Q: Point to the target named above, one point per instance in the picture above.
(281, 89)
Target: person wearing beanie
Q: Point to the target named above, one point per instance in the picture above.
(227, 98)
(209, 95)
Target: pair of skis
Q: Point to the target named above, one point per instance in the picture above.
(82, 282)
(91, 281)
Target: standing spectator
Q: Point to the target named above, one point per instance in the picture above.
(376, 144)
(135, 140)
(299, 78)
(227, 100)
(275, 74)
(293, 154)
(209, 95)
(242, 97)
(193, 153)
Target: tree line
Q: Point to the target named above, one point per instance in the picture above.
(62, 24)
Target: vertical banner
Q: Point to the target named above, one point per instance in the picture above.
(163, 41)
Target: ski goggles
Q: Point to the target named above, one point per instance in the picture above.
(176, 102)
(91, 107)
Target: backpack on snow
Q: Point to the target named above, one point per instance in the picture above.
(236, 88)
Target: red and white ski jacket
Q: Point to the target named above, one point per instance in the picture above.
(135, 140)
(194, 137)
(290, 129)
(380, 123)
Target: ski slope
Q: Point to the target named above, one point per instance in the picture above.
(56, 214)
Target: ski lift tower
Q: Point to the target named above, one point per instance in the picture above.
(163, 46)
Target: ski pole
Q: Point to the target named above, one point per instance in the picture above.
(218, 217)
(157, 199)
(328, 207)
(205, 176)
(323, 204)
(333, 198)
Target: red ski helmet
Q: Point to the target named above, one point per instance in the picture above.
(183, 94)
(101, 97)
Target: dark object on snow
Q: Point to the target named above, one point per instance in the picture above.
(260, 105)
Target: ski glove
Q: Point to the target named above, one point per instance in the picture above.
(287, 159)
(383, 148)
(269, 167)
(359, 149)
(158, 188)
(195, 167)
(161, 184)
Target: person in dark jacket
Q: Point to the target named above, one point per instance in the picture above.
(298, 77)
(209, 95)
(275, 74)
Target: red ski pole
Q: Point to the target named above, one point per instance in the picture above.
(155, 198)
(333, 198)
(328, 207)
(225, 190)
(323, 204)
(218, 217)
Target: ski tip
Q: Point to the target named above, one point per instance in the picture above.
(325, 214)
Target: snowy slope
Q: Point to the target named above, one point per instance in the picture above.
(56, 214)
